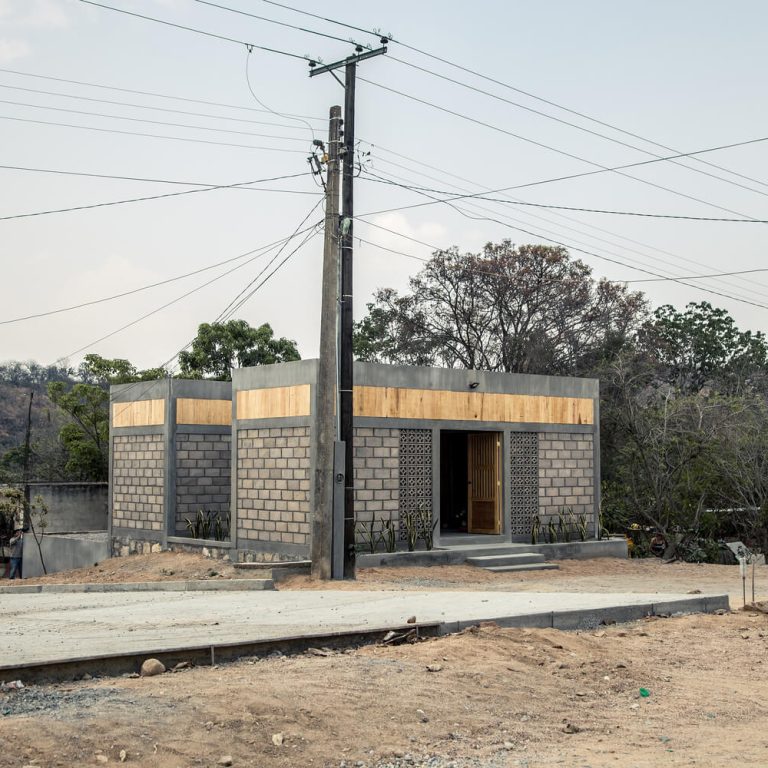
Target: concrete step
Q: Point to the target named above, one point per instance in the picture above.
(525, 558)
(485, 551)
(528, 567)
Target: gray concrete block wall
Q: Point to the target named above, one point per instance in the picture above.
(566, 474)
(138, 476)
(203, 471)
(273, 482)
(377, 474)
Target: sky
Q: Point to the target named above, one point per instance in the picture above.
(687, 74)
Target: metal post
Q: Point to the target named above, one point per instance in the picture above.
(346, 377)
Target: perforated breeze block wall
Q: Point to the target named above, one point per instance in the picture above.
(138, 477)
(202, 476)
(273, 483)
(566, 474)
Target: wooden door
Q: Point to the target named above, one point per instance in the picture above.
(484, 480)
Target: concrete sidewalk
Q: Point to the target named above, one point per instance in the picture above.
(45, 629)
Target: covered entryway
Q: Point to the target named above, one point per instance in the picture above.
(470, 482)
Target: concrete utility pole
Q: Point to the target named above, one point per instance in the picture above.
(322, 506)
(346, 379)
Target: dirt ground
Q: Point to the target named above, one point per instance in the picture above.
(598, 575)
(498, 697)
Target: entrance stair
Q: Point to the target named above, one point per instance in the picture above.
(498, 556)
(511, 561)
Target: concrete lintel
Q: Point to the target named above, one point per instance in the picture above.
(280, 375)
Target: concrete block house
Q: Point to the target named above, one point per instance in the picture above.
(485, 454)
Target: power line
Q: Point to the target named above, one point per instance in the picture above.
(276, 256)
(198, 31)
(135, 200)
(155, 109)
(163, 181)
(105, 299)
(546, 219)
(167, 304)
(579, 127)
(153, 94)
(603, 168)
(698, 277)
(644, 280)
(495, 81)
(381, 180)
(577, 249)
(149, 135)
(275, 21)
(152, 122)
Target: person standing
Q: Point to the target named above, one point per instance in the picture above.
(17, 546)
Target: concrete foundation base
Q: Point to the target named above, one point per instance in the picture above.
(60, 631)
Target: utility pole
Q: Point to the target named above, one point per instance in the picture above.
(346, 377)
(325, 401)
(27, 456)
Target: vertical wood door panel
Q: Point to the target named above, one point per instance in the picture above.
(484, 492)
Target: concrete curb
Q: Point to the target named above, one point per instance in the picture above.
(221, 585)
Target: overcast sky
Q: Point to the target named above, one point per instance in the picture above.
(687, 74)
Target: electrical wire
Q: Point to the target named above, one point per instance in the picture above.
(153, 94)
(578, 127)
(643, 280)
(140, 200)
(133, 105)
(174, 301)
(279, 23)
(149, 135)
(602, 168)
(539, 217)
(378, 179)
(197, 31)
(161, 181)
(276, 256)
(167, 281)
(153, 122)
(267, 107)
(495, 81)
(572, 247)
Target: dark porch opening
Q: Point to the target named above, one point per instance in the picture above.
(453, 482)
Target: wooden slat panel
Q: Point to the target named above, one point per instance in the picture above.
(273, 402)
(400, 403)
(138, 413)
(196, 411)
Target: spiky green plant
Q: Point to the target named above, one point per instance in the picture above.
(535, 529)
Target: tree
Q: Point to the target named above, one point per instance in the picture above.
(219, 347)
(665, 443)
(86, 435)
(702, 345)
(743, 467)
(525, 309)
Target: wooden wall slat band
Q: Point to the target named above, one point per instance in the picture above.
(196, 411)
(274, 402)
(401, 403)
(138, 413)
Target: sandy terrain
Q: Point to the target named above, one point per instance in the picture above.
(599, 575)
(499, 698)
